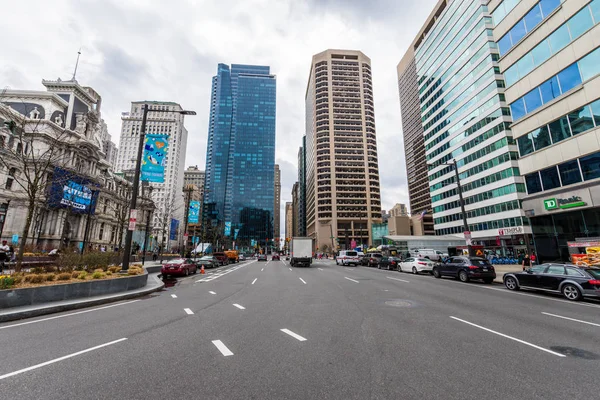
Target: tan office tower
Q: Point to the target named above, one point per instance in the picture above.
(342, 174)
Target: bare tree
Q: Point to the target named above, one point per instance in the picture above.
(164, 213)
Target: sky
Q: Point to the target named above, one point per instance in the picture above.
(155, 50)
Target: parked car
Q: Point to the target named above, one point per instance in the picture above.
(373, 259)
(222, 257)
(364, 260)
(275, 257)
(466, 268)
(208, 262)
(416, 265)
(262, 257)
(574, 282)
(242, 257)
(347, 257)
(389, 263)
(179, 266)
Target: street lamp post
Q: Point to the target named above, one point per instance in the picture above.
(136, 179)
(189, 190)
(150, 209)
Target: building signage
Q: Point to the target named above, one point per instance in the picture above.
(564, 203)
(153, 158)
(194, 212)
(516, 230)
(71, 191)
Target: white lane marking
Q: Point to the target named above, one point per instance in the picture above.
(188, 311)
(59, 359)
(509, 337)
(290, 269)
(303, 281)
(350, 279)
(320, 269)
(570, 319)
(397, 279)
(211, 292)
(240, 307)
(262, 270)
(294, 335)
(66, 315)
(254, 280)
(222, 348)
(174, 296)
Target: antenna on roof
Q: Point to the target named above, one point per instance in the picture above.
(76, 64)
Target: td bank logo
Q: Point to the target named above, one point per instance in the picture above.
(558, 203)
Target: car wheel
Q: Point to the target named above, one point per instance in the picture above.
(436, 273)
(195, 271)
(414, 270)
(187, 272)
(378, 266)
(488, 280)
(571, 292)
(463, 276)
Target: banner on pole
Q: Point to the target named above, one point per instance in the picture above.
(227, 229)
(235, 234)
(153, 158)
(174, 229)
(194, 212)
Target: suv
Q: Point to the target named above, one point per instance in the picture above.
(466, 268)
(347, 257)
(373, 259)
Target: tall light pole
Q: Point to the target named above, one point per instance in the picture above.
(136, 178)
(188, 199)
(150, 209)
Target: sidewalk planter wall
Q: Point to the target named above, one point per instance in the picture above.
(69, 291)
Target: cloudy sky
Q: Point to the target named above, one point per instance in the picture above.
(169, 50)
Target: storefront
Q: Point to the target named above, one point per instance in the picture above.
(508, 242)
(561, 217)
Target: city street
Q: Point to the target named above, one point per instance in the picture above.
(265, 330)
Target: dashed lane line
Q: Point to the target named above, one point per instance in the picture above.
(294, 335)
(174, 296)
(238, 306)
(222, 348)
(397, 279)
(254, 281)
(570, 319)
(350, 279)
(303, 281)
(188, 311)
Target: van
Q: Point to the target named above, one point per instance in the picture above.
(430, 254)
(347, 257)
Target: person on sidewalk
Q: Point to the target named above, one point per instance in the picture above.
(533, 258)
(4, 255)
(526, 262)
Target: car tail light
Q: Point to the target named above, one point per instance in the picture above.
(393, 262)
(422, 263)
(595, 282)
(473, 267)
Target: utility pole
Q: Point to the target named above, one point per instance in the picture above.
(186, 217)
(462, 208)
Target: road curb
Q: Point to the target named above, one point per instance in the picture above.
(83, 303)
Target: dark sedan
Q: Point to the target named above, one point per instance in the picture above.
(466, 268)
(208, 262)
(389, 263)
(574, 282)
(179, 266)
(275, 257)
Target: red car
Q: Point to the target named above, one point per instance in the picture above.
(275, 257)
(179, 266)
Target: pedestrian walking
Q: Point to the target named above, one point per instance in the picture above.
(4, 255)
(526, 262)
(533, 258)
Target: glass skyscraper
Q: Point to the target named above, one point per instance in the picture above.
(240, 156)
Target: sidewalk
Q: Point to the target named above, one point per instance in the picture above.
(14, 313)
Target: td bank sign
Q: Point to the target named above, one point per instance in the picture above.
(560, 203)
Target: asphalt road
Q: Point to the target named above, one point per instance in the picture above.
(260, 330)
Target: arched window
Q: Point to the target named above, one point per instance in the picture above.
(10, 179)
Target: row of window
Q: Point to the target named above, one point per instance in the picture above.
(555, 42)
(479, 212)
(574, 123)
(503, 9)
(526, 24)
(498, 176)
(484, 226)
(501, 191)
(565, 80)
(564, 174)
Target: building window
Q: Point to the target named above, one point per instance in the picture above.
(559, 130)
(550, 179)
(101, 233)
(569, 172)
(590, 166)
(10, 179)
(533, 183)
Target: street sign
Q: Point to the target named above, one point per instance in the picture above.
(467, 235)
(132, 220)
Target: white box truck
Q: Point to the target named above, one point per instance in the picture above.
(301, 251)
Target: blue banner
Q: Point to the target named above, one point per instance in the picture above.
(72, 191)
(174, 228)
(227, 228)
(235, 234)
(194, 212)
(153, 158)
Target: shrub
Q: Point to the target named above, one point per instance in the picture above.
(64, 276)
(108, 273)
(75, 274)
(49, 268)
(82, 275)
(98, 275)
(37, 278)
(114, 269)
(6, 281)
(37, 270)
(134, 271)
(18, 279)
(28, 254)
(50, 277)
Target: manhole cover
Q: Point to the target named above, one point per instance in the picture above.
(399, 303)
(575, 352)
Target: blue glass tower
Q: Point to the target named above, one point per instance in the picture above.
(240, 155)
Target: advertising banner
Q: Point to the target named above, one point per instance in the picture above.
(227, 229)
(153, 158)
(235, 234)
(194, 212)
(72, 191)
(174, 228)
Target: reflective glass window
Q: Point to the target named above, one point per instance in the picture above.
(548, 6)
(518, 31)
(525, 145)
(569, 172)
(550, 178)
(517, 109)
(541, 53)
(511, 75)
(559, 39)
(504, 44)
(525, 64)
(532, 181)
(559, 130)
(590, 166)
(581, 120)
(590, 65)
(533, 17)
(550, 89)
(580, 22)
(595, 6)
(541, 137)
(595, 106)
(532, 100)
(569, 78)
